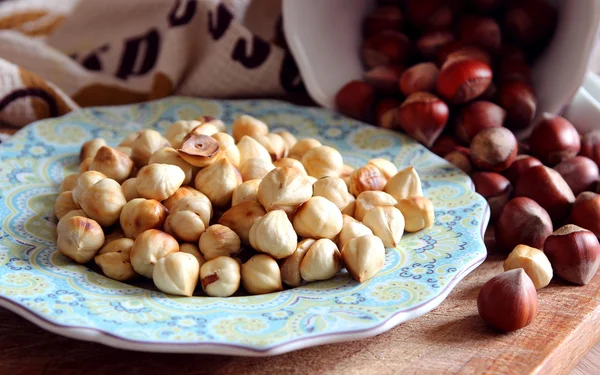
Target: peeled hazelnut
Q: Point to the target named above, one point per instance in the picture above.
(145, 144)
(69, 183)
(463, 80)
(103, 202)
(421, 77)
(384, 78)
(460, 159)
(547, 187)
(289, 139)
(200, 150)
(241, 217)
(520, 102)
(185, 225)
(274, 234)
(274, 144)
(350, 209)
(522, 222)
(311, 180)
(586, 212)
(139, 215)
(218, 181)
(89, 148)
(112, 163)
(323, 161)
(159, 181)
(351, 228)
(84, 181)
(292, 163)
(518, 167)
(482, 32)
(113, 260)
(148, 248)
(364, 256)
(495, 188)
(128, 140)
(207, 128)
(261, 275)
(430, 43)
(129, 188)
(284, 188)
(179, 194)
(255, 169)
(220, 276)
(169, 155)
(176, 273)
(355, 99)
(574, 253)
(218, 240)
(387, 168)
(190, 248)
(79, 238)
(508, 301)
(580, 173)
(318, 218)
(245, 125)
(477, 116)
(290, 268)
(367, 178)
(227, 148)
(423, 116)
(250, 149)
(85, 165)
(220, 125)
(302, 146)
(389, 47)
(178, 130)
(66, 217)
(554, 139)
(406, 183)
(64, 204)
(322, 261)
(382, 18)
(335, 190)
(247, 191)
(387, 223)
(533, 261)
(369, 199)
(418, 213)
(494, 149)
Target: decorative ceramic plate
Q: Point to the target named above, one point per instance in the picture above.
(37, 282)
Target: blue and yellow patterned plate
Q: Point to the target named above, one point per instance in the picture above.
(37, 282)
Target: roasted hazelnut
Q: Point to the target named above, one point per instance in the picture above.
(176, 273)
(335, 190)
(184, 225)
(103, 201)
(421, 77)
(318, 218)
(250, 149)
(430, 14)
(198, 203)
(220, 276)
(85, 165)
(67, 216)
(68, 183)
(274, 234)
(554, 139)
(323, 161)
(387, 168)
(128, 140)
(290, 267)
(179, 194)
(207, 128)
(508, 301)
(302, 146)
(145, 144)
(590, 146)
(246, 125)
(382, 18)
(460, 159)
(522, 222)
(494, 149)
(90, 148)
(227, 148)
(418, 213)
(366, 200)
(406, 183)
(463, 80)
(533, 261)
(429, 44)
(384, 78)
(386, 113)
(113, 260)
(241, 217)
(521, 164)
(580, 173)
(200, 150)
(112, 163)
(247, 191)
(64, 204)
(350, 209)
(218, 181)
(520, 102)
(423, 116)
(547, 187)
(574, 253)
(389, 47)
(219, 240)
(477, 116)
(366, 178)
(220, 125)
(129, 188)
(284, 188)
(148, 248)
(387, 223)
(261, 275)
(586, 212)
(495, 188)
(159, 181)
(256, 169)
(190, 248)
(482, 32)
(178, 130)
(139, 215)
(79, 238)
(169, 155)
(351, 228)
(322, 261)
(289, 139)
(84, 181)
(292, 163)
(363, 256)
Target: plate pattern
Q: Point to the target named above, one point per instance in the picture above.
(38, 280)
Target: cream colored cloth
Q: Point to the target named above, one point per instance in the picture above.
(56, 55)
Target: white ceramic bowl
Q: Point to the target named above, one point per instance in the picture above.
(325, 38)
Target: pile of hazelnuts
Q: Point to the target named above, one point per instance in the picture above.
(456, 76)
